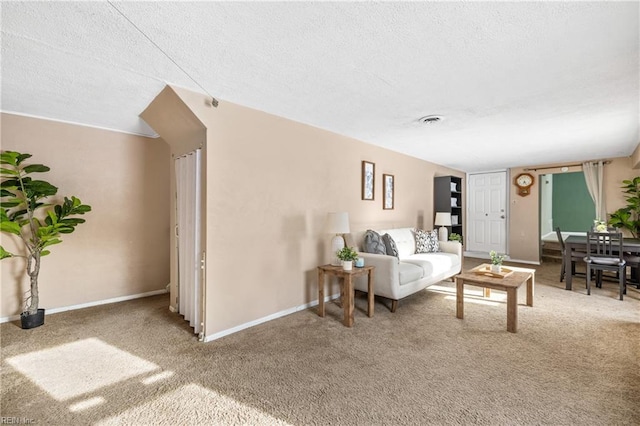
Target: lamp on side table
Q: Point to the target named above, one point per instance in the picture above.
(443, 219)
(338, 224)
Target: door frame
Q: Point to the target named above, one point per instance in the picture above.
(507, 203)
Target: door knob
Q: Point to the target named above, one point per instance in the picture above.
(502, 217)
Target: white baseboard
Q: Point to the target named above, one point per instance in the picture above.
(476, 254)
(258, 321)
(528, 262)
(90, 304)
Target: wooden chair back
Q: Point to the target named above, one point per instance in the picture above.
(604, 247)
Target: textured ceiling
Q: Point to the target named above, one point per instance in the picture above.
(517, 83)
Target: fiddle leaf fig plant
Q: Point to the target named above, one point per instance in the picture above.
(27, 213)
(628, 217)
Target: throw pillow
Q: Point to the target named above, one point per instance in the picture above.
(349, 240)
(392, 249)
(427, 241)
(373, 243)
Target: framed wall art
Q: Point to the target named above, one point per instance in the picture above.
(368, 180)
(388, 192)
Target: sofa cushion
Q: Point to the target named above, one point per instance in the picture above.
(373, 243)
(392, 249)
(434, 263)
(404, 239)
(409, 272)
(427, 241)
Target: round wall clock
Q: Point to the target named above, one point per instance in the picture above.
(524, 181)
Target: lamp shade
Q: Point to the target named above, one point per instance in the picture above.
(338, 223)
(443, 219)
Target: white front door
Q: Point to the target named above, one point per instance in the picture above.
(486, 214)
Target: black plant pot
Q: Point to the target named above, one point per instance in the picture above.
(33, 320)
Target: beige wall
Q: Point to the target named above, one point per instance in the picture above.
(271, 182)
(524, 241)
(123, 249)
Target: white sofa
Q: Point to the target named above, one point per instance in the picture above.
(410, 272)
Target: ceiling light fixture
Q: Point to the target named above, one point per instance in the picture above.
(430, 119)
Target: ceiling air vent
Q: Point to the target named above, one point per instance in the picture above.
(430, 119)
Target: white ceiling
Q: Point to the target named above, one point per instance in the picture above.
(517, 83)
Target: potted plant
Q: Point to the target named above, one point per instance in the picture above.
(455, 237)
(496, 261)
(628, 217)
(28, 213)
(599, 225)
(347, 255)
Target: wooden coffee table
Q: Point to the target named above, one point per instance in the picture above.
(510, 284)
(348, 291)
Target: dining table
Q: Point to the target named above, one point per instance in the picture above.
(579, 243)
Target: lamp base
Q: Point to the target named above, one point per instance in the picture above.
(337, 243)
(443, 233)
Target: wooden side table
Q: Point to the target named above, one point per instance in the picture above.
(347, 289)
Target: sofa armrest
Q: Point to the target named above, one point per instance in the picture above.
(451, 247)
(386, 275)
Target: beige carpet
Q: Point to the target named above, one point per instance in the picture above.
(574, 361)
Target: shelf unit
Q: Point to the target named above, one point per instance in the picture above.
(447, 197)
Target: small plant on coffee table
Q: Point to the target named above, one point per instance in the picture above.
(496, 259)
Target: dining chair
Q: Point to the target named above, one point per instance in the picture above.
(632, 260)
(604, 253)
(576, 256)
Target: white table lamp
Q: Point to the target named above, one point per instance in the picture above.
(338, 224)
(442, 220)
